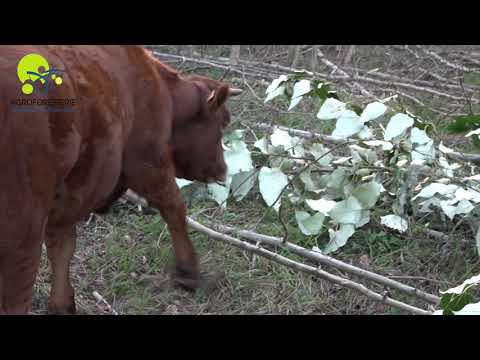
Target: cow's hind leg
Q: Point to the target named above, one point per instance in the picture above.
(60, 243)
(18, 270)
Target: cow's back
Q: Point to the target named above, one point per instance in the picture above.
(64, 163)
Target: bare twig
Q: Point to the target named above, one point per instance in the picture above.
(100, 298)
(336, 68)
(467, 98)
(444, 61)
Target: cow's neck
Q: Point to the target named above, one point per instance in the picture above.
(186, 100)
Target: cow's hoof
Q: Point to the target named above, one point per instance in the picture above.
(186, 279)
(55, 309)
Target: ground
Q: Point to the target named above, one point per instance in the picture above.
(127, 257)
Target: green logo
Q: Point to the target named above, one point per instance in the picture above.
(34, 70)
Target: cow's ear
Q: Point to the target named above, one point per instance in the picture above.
(218, 97)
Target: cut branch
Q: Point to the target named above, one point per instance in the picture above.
(329, 261)
(444, 61)
(100, 298)
(457, 156)
(307, 269)
(336, 68)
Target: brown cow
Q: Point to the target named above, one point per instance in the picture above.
(133, 123)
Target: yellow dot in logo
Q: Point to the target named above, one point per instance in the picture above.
(54, 76)
(27, 89)
(58, 80)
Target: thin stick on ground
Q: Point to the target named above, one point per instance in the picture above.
(332, 262)
(307, 269)
(100, 298)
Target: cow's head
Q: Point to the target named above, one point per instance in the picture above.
(197, 134)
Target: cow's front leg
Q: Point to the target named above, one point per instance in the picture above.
(60, 243)
(171, 205)
(157, 185)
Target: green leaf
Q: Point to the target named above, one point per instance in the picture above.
(321, 205)
(337, 179)
(450, 303)
(300, 89)
(473, 132)
(424, 153)
(294, 102)
(418, 136)
(271, 184)
(467, 194)
(281, 137)
(386, 145)
(236, 135)
(366, 133)
(321, 91)
(397, 125)
(276, 83)
(310, 184)
(467, 284)
(347, 211)
(331, 109)
(309, 224)
(220, 193)
(242, 183)
(182, 182)
(339, 238)
(470, 309)
(318, 150)
(425, 150)
(262, 145)
(462, 124)
(433, 188)
(348, 124)
(238, 158)
(373, 111)
(367, 194)
(395, 222)
(463, 207)
(364, 219)
(455, 299)
(279, 91)
(360, 154)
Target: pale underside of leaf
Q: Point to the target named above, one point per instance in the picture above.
(331, 109)
(339, 238)
(397, 126)
(309, 224)
(395, 222)
(271, 184)
(373, 111)
(182, 182)
(321, 205)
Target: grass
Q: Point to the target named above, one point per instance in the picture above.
(127, 257)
